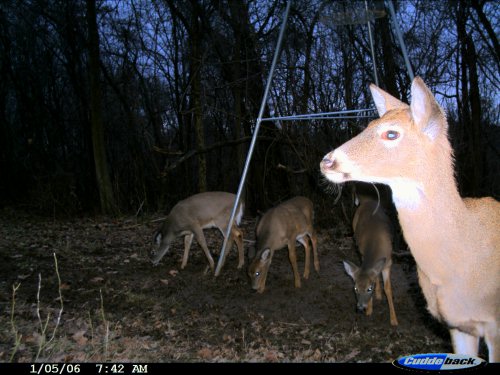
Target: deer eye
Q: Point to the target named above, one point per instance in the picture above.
(257, 274)
(370, 289)
(356, 289)
(390, 135)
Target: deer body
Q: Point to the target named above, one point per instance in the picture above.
(455, 241)
(189, 217)
(282, 226)
(373, 237)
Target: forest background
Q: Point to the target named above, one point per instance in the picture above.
(127, 107)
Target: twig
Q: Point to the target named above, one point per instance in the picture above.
(17, 337)
(140, 208)
(378, 199)
(293, 324)
(60, 299)
(106, 325)
(243, 338)
(157, 220)
(43, 327)
(289, 170)
(91, 329)
(189, 154)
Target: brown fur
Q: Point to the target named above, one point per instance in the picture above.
(190, 216)
(282, 226)
(373, 236)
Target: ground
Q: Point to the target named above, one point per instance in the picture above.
(111, 304)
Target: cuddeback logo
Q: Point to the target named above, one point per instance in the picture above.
(438, 362)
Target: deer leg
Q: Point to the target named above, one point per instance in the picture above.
(292, 255)
(222, 226)
(307, 263)
(238, 238)
(492, 338)
(369, 307)
(188, 239)
(314, 241)
(200, 238)
(229, 246)
(463, 343)
(386, 275)
(378, 289)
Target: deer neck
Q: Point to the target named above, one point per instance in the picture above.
(432, 215)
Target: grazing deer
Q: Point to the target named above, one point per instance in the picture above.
(189, 217)
(282, 226)
(455, 241)
(373, 236)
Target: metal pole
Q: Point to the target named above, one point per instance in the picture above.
(220, 263)
(371, 45)
(308, 116)
(400, 39)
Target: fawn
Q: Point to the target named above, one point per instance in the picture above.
(282, 226)
(373, 236)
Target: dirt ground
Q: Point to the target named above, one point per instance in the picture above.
(111, 304)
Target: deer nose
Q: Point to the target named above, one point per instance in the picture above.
(328, 162)
(361, 309)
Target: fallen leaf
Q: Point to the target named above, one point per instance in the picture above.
(80, 338)
(271, 356)
(97, 280)
(351, 355)
(164, 281)
(34, 338)
(173, 272)
(317, 355)
(205, 353)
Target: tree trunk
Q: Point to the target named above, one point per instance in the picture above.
(489, 29)
(470, 109)
(475, 118)
(238, 16)
(195, 75)
(108, 204)
(389, 65)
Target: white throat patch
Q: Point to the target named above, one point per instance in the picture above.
(406, 193)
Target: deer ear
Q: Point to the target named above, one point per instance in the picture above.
(157, 237)
(350, 268)
(384, 101)
(265, 254)
(425, 110)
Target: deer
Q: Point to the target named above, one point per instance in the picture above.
(191, 216)
(280, 226)
(455, 242)
(373, 237)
